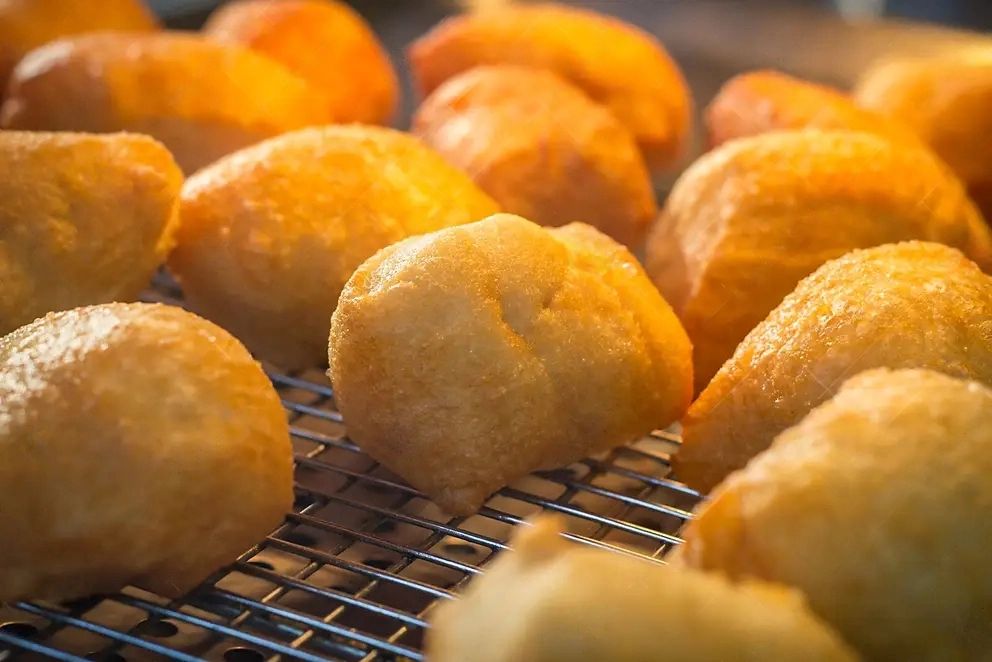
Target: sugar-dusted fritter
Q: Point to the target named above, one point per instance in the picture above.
(142, 446)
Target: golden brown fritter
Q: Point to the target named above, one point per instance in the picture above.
(272, 233)
(762, 101)
(464, 359)
(84, 219)
(142, 445)
(947, 102)
(908, 305)
(876, 507)
(202, 99)
(745, 223)
(542, 149)
(615, 63)
(324, 41)
(26, 25)
(549, 600)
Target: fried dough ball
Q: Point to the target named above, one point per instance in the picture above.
(85, 219)
(550, 600)
(908, 305)
(200, 98)
(876, 507)
(947, 102)
(464, 359)
(542, 149)
(28, 24)
(615, 63)
(142, 446)
(745, 223)
(271, 234)
(762, 101)
(324, 41)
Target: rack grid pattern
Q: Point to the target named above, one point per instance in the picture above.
(359, 563)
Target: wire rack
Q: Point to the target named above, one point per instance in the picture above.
(360, 561)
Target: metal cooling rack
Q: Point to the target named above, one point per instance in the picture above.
(359, 562)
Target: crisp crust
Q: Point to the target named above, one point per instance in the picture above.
(542, 149)
(908, 305)
(142, 445)
(271, 234)
(876, 507)
(615, 63)
(465, 359)
(746, 222)
(85, 219)
(202, 99)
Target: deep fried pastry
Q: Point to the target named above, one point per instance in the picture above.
(908, 305)
(615, 63)
(25, 26)
(464, 359)
(876, 507)
(272, 233)
(947, 102)
(542, 149)
(549, 600)
(762, 101)
(142, 445)
(85, 219)
(745, 223)
(202, 99)
(324, 41)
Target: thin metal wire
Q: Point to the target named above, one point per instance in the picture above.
(392, 553)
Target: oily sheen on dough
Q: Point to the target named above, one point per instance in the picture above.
(141, 445)
(84, 219)
(748, 221)
(271, 234)
(908, 305)
(550, 600)
(876, 507)
(464, 359)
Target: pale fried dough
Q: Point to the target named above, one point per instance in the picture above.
(548, 600)
(542, 149)
(464, 359)
(876, 506)
(909, 305)
(142, 445)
